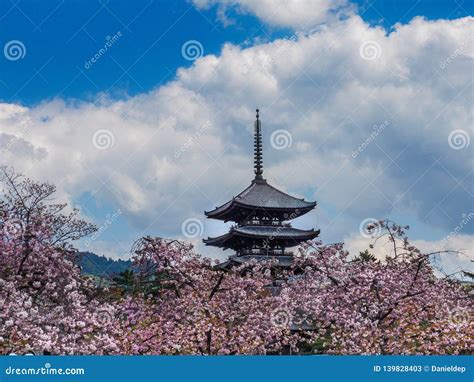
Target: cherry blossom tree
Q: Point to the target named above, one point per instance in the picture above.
(189, 307)
(327, 302)
(46, 305)
(369, 306)
(175, 301)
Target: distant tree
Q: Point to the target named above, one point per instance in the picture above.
(365, 256)
(101, 266)
(125, 280)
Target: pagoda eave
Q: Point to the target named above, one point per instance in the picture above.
(262, 199)
(235, 207)
(285, 236)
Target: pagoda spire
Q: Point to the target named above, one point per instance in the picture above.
(258, 158)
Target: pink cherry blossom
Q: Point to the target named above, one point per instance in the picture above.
(178, 302)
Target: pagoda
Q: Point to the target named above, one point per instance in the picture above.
(261, 214)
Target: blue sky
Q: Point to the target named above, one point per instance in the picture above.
(305, 67)
(60, 37)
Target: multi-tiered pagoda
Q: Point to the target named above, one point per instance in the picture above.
(261, 213)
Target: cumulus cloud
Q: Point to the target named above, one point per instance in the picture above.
(370, 116)
(296, 14)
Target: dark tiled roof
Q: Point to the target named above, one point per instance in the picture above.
(260, 194)
(262, 231)
(275, 231)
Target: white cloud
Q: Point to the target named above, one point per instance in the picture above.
(297, 14)
(456, 253)
(317, 86)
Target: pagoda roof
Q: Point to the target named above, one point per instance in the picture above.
(261, 195)
(289, 234)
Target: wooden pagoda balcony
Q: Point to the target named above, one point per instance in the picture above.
(264, 252)
(273, 223)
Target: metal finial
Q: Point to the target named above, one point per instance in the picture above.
(258, 158)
